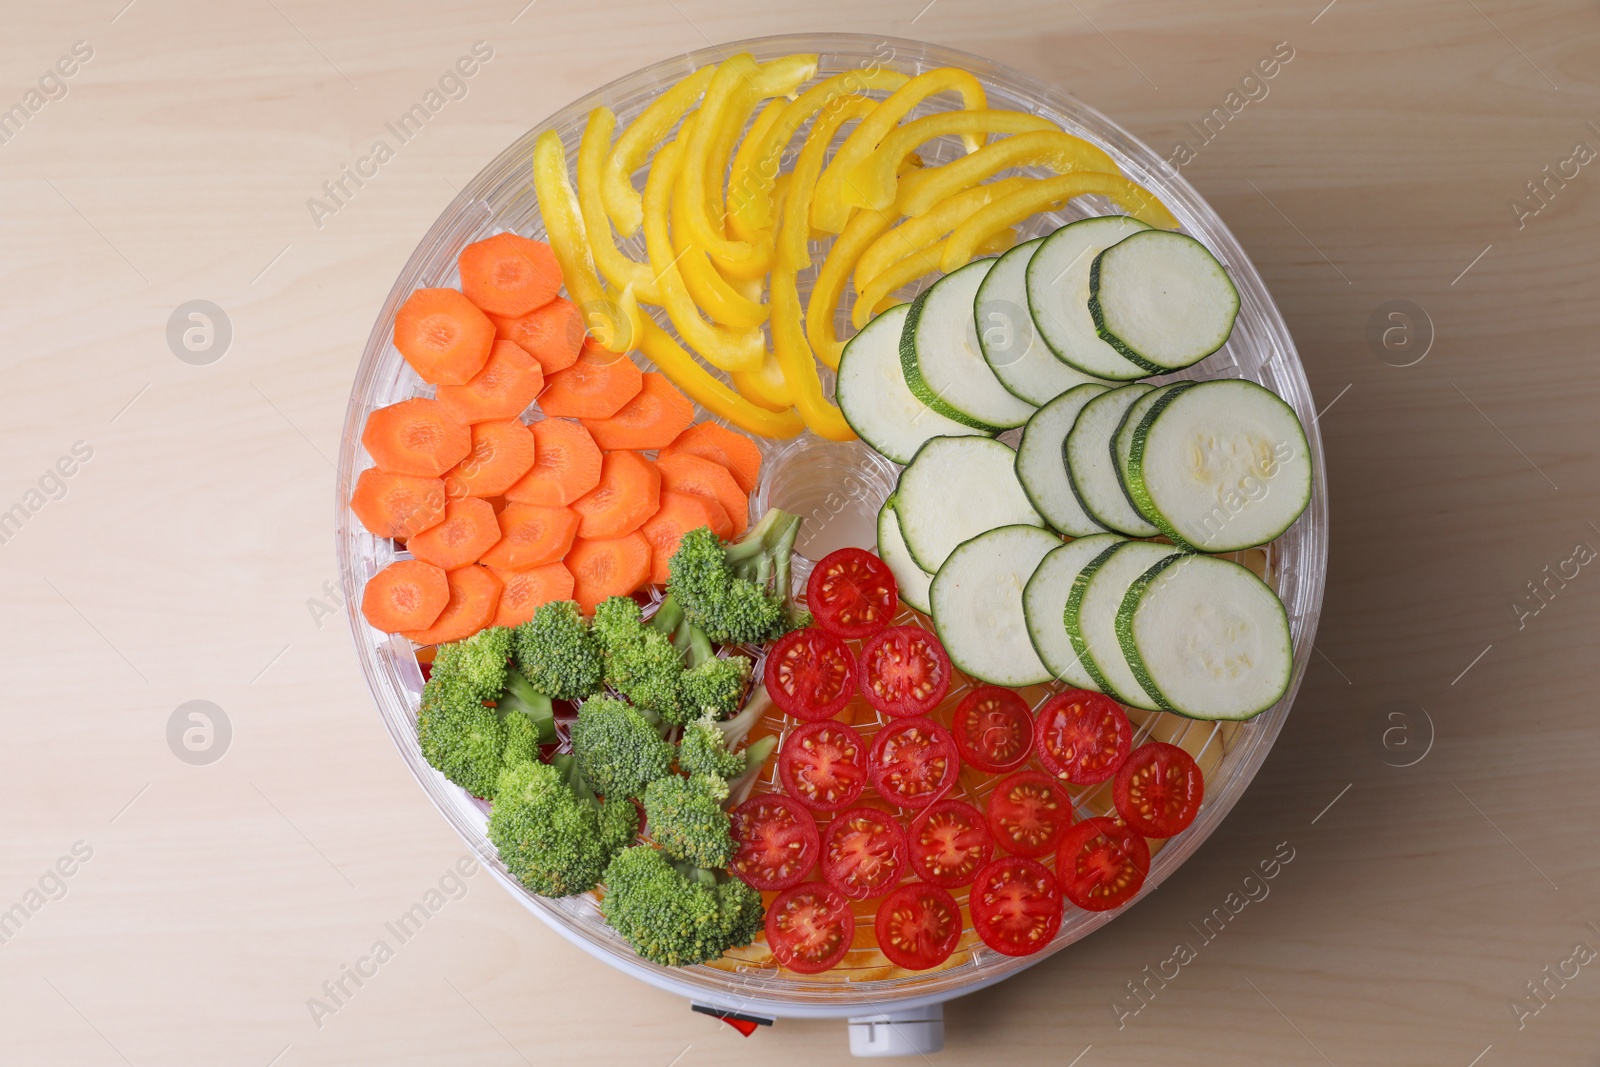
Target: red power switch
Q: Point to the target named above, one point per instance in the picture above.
(745, 1024)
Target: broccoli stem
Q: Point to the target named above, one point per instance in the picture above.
(765, 546)
(520, 697)
(567, 764)
(667, 616)
(755, 755)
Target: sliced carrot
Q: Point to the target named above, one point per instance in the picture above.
(679, 513)
(595, 387)
(503, 389)
(566, 466)
(416, 436)
(468, 531)
(691, 474)
(502, 452)
(443, 336)
(526, 590)
(531, 536)
(552, 334)
(397, 505)
(474, 596)
(629, 493)
(650, 420)
(733, 450)
(408, 594)
(614, 566)
(508, 274)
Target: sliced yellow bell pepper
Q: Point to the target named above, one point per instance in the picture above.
(872, 182)
(1061, 152)
(765, 385)
(721, 300)
(794, 232)
(915, 235)
(743, 183)
(709, 392)
(619, 269)
(864, 227)
(875, 298)
(642, 136)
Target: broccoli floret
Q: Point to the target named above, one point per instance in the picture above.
(666, 666)
(558, 654)
(478, 662)
(738, 593)
(618, 747)
(716, 685)
(551, 832)
(709, 746)
(685, 817)
(677, 915)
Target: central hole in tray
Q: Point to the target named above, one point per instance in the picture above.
(836, 487)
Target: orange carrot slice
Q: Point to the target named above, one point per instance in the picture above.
(408, 594)
(443, 336)
(566, 466)
(508, 274)
(552, 334)
(679, 513)
(397, 505)
(503, 389)
(653, 419)
(691, 474)
(613, 566)
(502, 452)
(735, 451)
(629, 493)
(468, 531)
(595, 387)
(531, 536)
(474, 595)
(526, 590)
(416, 436)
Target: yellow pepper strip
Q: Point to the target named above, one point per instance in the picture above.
(915, 235)
(871, 183)
(720, 299)
(709, 392)
(830, 210)
(782, 76)
(728, 349)
(740, 187)
(765, 385)
(1061, 152)
(1047, 195)
(622, 200)
(619, 269)
(875, 298)
(794, 232)
(864, 228)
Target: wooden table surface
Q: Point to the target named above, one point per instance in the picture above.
(188, 555)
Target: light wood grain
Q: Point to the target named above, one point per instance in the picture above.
(183, 559)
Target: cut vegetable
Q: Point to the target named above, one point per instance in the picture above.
(474, 596)
(679, 513)
(502, 452)
(503, 389)
(912, 580)
(977, 605)
(605, 568)
(443, 336)
(735, 451)
(629, 493)
(1091, 617)
(1206, 638)
(1161, 300)
(397, 505)
(528, 590)
(955, 489)
(416, 436)
(595, 387)
(1010, 342)
(468, 531)
(508, 274)
(1058, 295)
(942, 361)
(1044, 604)
(1122, 440)
(1042, 462)
(552, 334)
(1092, 466)
(691, 474)
(531, 536)
(566, 465)
(408, 594)
(653, 419)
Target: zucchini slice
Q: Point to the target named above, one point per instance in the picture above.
(1058, 295)
(954, 490)
(1011, 343)
(1090, 616)
(1162, 300)
(911, 579)
(941, 359)
(1044, 604)
(1122, 440)
(1042, 462)
(977, 605)
(1093, 467)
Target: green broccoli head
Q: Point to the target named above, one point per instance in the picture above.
(460, 736)
(554, 838)
(737, 593)
(478, 663)
(641, 662)
(685, 817)
(716, 686)
(712, 747)
(618, 749)
(558, 654)
(676, 916)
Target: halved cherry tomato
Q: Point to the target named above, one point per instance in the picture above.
(1158, 791)
(1016, 906)
(904, 671)
(913, 762)
(810, 674)
(993, 729)
(1083, 737)
(918, 926)
(1101, 864)
(1028, 813)
(949, 842)
(774, 841)
(823, 765)
(852, 593)
(809, 928)
(863, 853)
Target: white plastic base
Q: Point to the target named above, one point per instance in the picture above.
(907, 1033)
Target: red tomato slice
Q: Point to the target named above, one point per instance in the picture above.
(823, 765)
(1083, 737)
(993, 729)
(918, 926)
(1016, 906)
(774, 841)
(949, 842)
(1028, 813)
(809, 928)
(852, 593)
(810, 674)
(913, 762)
(1101, 864)
(1158, 791)
(864, 853)
(904, 671)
